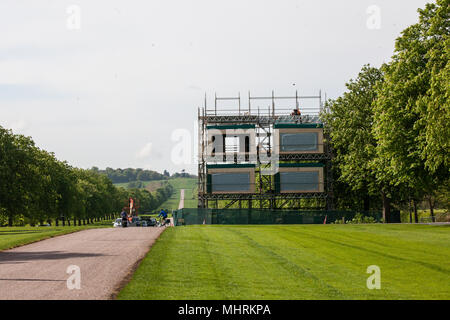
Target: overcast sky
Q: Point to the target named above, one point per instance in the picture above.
(106, 83)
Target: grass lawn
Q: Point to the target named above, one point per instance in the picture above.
(152, 186)
(11, 237)
(190, 193)
(295, 262)
(145, 184)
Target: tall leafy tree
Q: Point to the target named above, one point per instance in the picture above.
(349, 121)
(412, 111)
(16, 174)
(37, 186)
(434, 106)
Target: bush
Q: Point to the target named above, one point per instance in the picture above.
(339, 221)
(3, 217)
(360, 218)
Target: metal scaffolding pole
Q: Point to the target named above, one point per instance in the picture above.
(265, 194)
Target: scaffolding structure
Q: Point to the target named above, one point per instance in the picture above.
(263, 113)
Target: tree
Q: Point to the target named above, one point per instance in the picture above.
(412, 112)
(16, 173)
(434, 106)
(37, 187)
(349, 121)
(130, 174)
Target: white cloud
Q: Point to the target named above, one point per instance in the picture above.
(145, 151)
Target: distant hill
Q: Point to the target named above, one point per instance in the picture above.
(147, 185)
(134, 176)
(190, 195)
(130, 175)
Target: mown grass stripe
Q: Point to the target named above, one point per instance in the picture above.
(294, 262)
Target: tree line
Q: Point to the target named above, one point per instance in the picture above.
(135, 175)
(150, 201)
(130, 174)
(390, 130)
(35, 187)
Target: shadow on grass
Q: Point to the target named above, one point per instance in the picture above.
(20, 233)
(13, 232)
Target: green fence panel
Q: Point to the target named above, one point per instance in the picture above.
(254, 216)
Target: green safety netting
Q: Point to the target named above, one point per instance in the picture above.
(196, 216)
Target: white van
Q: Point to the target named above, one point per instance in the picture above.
(117, 223)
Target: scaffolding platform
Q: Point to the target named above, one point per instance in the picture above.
(264, 139)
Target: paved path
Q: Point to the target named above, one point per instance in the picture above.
(105, 257)
(181, 205)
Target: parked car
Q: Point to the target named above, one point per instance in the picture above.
(135, 222)
(117, 223)
(151, 222)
